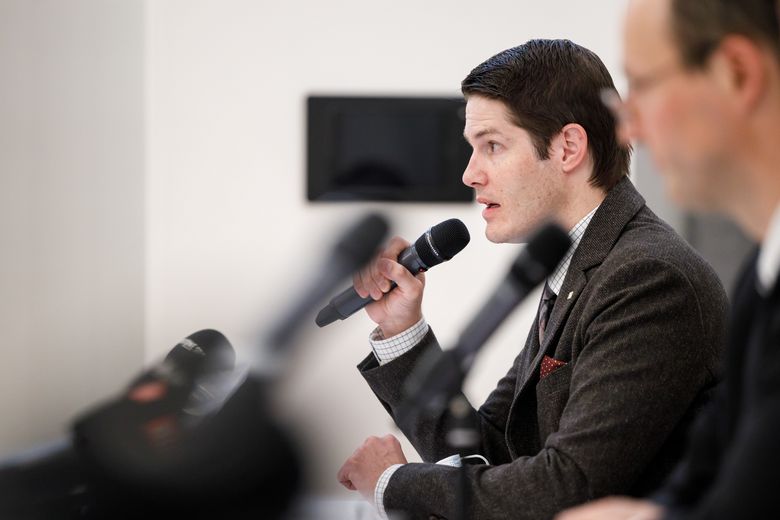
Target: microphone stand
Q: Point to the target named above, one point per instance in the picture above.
(439, 392)
(462, 437)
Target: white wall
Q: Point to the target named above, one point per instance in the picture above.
(71, 210)
(229, 233)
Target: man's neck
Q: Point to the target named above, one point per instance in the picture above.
(754, 203)
(582, 202)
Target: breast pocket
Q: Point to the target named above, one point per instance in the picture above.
(552, 394)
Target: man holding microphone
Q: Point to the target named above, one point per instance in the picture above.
(625, 347)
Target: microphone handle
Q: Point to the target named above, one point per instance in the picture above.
(349, 302)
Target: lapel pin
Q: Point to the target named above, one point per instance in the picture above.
(571, 293)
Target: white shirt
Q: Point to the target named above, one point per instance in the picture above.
(388, 349)
(768, 264)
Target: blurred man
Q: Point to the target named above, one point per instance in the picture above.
(704, 80)
(626, 340)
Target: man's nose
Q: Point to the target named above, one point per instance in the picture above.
(473, 175)
(629, 129)
(624, 113)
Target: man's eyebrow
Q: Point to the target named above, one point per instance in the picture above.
(481, 133)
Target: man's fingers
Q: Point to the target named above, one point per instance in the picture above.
(388, 256)
(381, 282)
(613, 508)
(406, 281)
(394, 248)
(359, 284)
(364, 467)
(343, 476)
(371, 281)
(348, 484)
(392, 440)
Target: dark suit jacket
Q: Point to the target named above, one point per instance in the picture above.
(640, 323)
(730, 470)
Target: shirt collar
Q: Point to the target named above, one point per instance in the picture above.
(555, 280)
(769, 258)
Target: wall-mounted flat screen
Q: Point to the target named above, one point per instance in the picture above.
(408, 149)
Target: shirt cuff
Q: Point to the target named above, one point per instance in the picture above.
(379, 490)
(388, 349)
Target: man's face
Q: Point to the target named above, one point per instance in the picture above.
(517, 188)
(679, 114)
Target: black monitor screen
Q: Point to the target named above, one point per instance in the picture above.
(386, 149)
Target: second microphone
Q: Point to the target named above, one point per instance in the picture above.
(437, 245)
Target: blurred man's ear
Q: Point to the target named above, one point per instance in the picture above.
(740, 67)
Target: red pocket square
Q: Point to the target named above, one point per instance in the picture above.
(550, 365)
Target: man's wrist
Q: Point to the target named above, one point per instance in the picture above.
(388, 349)
(379, 490)
(391, 329)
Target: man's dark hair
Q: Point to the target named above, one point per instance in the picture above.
(699, 26)
(547, 84)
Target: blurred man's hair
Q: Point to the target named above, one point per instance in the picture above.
(547, 84)
(699, 26)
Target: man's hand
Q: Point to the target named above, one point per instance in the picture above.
(614, 508)
(402, 307)
(362, 470)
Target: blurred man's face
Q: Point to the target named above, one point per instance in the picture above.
(678, 113)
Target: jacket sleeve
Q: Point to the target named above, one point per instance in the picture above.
(427, 433)
(744, 484)
(699, 467)
(732, 464)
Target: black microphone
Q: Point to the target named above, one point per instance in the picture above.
(201, 353)
(158, 409)
(192, 436)
(130, 432)
(440, 374)
(437, 245)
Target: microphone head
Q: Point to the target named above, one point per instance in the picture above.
(205, 351)
(545, 248)
(202, 354)
(442, 242)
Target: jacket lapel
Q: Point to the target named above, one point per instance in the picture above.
(619, 206)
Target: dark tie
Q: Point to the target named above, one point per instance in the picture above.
(545, 308)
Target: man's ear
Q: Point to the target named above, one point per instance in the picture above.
(739, 65)
(571, 145)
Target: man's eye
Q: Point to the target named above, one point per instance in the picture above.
(493, 146)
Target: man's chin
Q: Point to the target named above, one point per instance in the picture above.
(499, 238)
(683, 196)
(493, 236)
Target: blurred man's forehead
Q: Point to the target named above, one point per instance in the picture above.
(647, 35)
